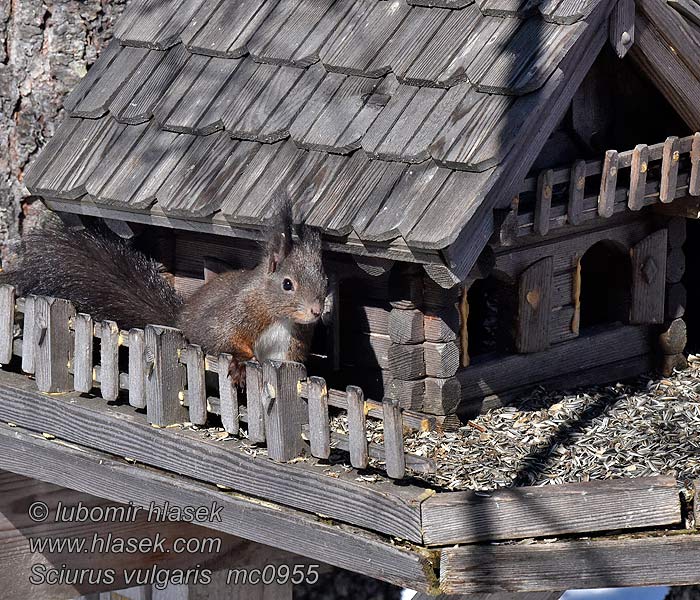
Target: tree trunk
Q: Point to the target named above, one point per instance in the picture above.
(46, 46)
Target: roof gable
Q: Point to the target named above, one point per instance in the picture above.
(380, 117)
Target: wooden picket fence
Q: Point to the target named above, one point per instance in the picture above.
(624, 181)
(168, 377)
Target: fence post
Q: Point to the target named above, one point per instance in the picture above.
(196, 384)
(254, 391)
(7, 322)
(164, 375)
(228, 395)
(137, 374)
(83, 330)
(357, 427)
(28, 335)
(285, 409)
(54, 345)
(319, 425)
(109, 360)
(393, 439)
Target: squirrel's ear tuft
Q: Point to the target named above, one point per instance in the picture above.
(279, 240)
(310, 239)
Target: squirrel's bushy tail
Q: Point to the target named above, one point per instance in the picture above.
(99, 273)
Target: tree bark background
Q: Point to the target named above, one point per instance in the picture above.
(45, 48)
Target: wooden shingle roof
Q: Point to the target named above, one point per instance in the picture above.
(387, 120)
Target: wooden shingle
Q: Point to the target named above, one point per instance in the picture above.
(135, 101)
(93, 76)
(508, 8)
(224, 28)
(566, 12)
(356, 44)
(294, 31)
(96, 101)
(155, 24)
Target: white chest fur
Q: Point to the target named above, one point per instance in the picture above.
(273, 343)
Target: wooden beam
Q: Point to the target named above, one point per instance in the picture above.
(20, 561)
(582, 564)
(263, 522)
(493, 596)
(517, 513)
(120, 430)
(622, 27)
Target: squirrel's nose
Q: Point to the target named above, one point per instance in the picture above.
(316, 309)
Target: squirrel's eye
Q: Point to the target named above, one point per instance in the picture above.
(287, 285)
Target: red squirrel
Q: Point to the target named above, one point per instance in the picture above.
(268, 312)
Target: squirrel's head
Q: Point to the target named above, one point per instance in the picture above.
(295, 278)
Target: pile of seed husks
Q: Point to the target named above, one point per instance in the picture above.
(649, 427)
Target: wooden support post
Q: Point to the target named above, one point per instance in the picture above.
(543, 206)
(669, 170)
(83, 336)
(285, 408)
(109, 360)
(694, 183)
(54, 344)
(638, 176)
(196, 384)
(622, 27)
(29, 335)
(393, 439)
(319, 425)
(357, 427)
(137, 373)
(577, 188)
(228, 396)
(7, 322)
(164, 375)
(254, 398)
(608, 184)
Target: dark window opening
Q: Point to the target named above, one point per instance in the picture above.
(490, 324)
(606, 280)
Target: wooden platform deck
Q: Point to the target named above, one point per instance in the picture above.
(411, 536)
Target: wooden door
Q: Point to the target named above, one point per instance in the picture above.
(534, 306)
(648, 279)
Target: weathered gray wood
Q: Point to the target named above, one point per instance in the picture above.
(357, 427)
(54, 344)
(406, 326)
(228, 395)
(393, 439)
(493, 596)
(109, 360)
(622, 27)
(544, 202)
(608, 183)
(696, 503)
(408, 393)
(7, 322)
(137, 368)
(441, 359)
(688, 8)
(648, 279)
(534, 306)
(669, 170)
(596, 563)
(673, 338)
(552, 510)
(694, 184)
(196, 385)
(121, 431)
(577, 187)
(274, 525)
(319, 425)
(28, 334)
(441, 326)
(638, 176)
(442, 396)
(407, 361)
(285, 409)
(164, 375)
(254, 394)
(83, 337)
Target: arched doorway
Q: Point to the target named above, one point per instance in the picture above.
(606, 282)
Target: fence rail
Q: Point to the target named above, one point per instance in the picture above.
(172, 380)
(623, 181)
